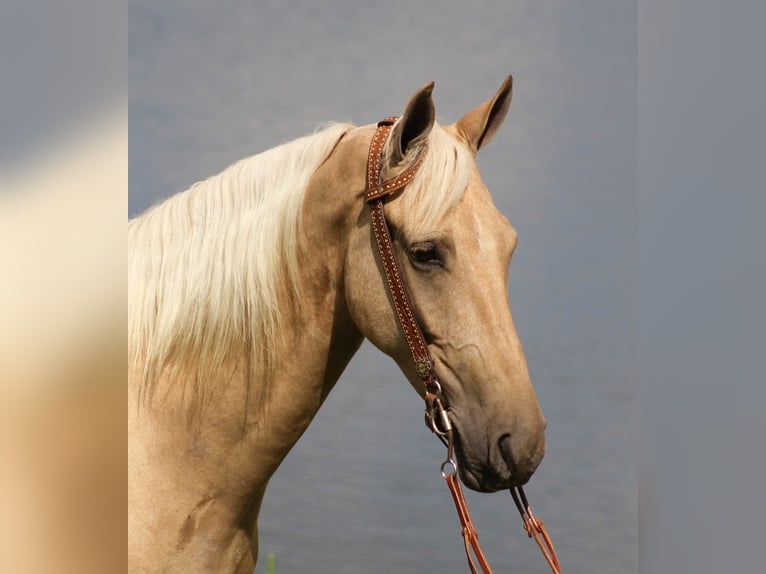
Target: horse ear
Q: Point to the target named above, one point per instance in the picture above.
(415, 124)
(479, 125)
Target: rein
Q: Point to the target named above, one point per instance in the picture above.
(436, 415)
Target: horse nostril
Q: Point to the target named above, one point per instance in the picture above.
(522, 454)
(506, 451)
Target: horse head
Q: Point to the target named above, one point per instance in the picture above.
(454, 248)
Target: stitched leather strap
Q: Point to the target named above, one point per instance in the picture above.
(375, 188)
(375, 193)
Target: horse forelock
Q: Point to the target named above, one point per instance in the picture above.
(208, 266)
(439, 183)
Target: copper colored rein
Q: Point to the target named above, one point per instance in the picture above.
(534, 527)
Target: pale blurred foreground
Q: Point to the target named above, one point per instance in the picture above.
(62, 355)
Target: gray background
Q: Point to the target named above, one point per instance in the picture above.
(701, 326)
(210, 84)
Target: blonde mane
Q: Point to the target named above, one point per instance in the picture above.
(207, 267)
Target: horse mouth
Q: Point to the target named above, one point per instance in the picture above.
(482, 475)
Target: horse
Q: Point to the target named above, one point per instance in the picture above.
(250, 292)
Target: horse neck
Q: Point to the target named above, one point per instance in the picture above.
(262, 407)
(318, 335)
(211, 471)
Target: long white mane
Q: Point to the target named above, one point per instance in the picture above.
(207, 266)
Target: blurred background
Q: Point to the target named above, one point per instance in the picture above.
(63, 193)
(361, 491)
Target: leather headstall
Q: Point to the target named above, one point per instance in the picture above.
(437, 415)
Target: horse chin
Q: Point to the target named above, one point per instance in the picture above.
(470, 480)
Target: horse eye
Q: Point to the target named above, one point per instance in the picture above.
(424, 254)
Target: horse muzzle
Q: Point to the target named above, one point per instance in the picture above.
(507, 462)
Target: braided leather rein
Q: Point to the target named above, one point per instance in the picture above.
(437, 416)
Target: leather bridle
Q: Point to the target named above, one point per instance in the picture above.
(437, 415)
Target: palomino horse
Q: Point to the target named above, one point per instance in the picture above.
(250, 292)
